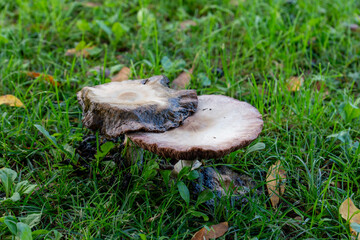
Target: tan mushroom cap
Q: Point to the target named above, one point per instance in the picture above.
(146, 104)
(220, 126)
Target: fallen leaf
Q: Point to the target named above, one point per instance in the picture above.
(45, 77)
(236, 2)
(78, 52)
(90, 4)
(185, 163)
(182, 80)
(294, 83)
(153, 218)
(187, 23)
(215, 231)
(11, 100)
(276, 179)
(123, 75)
(354, 27)
(319, 85)
(351, 213)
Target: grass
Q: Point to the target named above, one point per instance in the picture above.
(259, 45)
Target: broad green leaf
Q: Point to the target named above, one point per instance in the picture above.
(166, 64)
(31, 219)
(257, 147)
(145, 17)
(349, 111)
(343, 136)
(166, 176)
(57, 235)
(37, 233)
(15, 197)
(7, 177)
(199, 214)
(142, 236)
(23, 231)
(104, 27)
(104, 149)
(355, 226)
(24, 187)
(46, 134)
(204, 196)
(184, 171)
(83, 25)
(193, 175)
(205, 81)
(93, 51)
(10, 222)
(20, 186)
(119, 30)
(184, 192)
(3, 39)
(29, 188)
(150, 170)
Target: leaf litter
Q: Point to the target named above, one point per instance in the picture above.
(212, 232)
(11, 100)
(276, 179)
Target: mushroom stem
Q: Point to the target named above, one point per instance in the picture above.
(133, 154)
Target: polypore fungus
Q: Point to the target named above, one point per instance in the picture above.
(147, 104)
(220, 126)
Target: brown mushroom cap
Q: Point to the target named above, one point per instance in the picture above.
(220, 126)
(147, 104)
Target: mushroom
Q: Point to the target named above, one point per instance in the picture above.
(146, 104)
(220, 126)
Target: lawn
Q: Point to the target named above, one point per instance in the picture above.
(297, 62)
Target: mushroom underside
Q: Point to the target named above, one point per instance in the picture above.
(220, 126)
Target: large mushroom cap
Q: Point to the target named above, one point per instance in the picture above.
(220, 126)
(147, 104)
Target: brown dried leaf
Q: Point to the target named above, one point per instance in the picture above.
(187, 23)
(351, 213)
(215, 231)
(294, 83)
(354, 27)
(122, 75)
(78, 53)
(91, 4)
(182, 80)
(276, 179)
(45, 77)
(11, 100)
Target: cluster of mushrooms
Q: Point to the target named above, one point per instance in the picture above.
(175, 124)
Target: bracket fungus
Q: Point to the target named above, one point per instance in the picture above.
(220, 126)
(135, 105)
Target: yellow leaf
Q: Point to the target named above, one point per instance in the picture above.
(91, 4)
(351, 213)
(45, 77)
(276, 179)
(215, 231)
(11, 100)
(187, 23)
(182, 80)
(123, 75)
(78, 53)
(294, 83)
